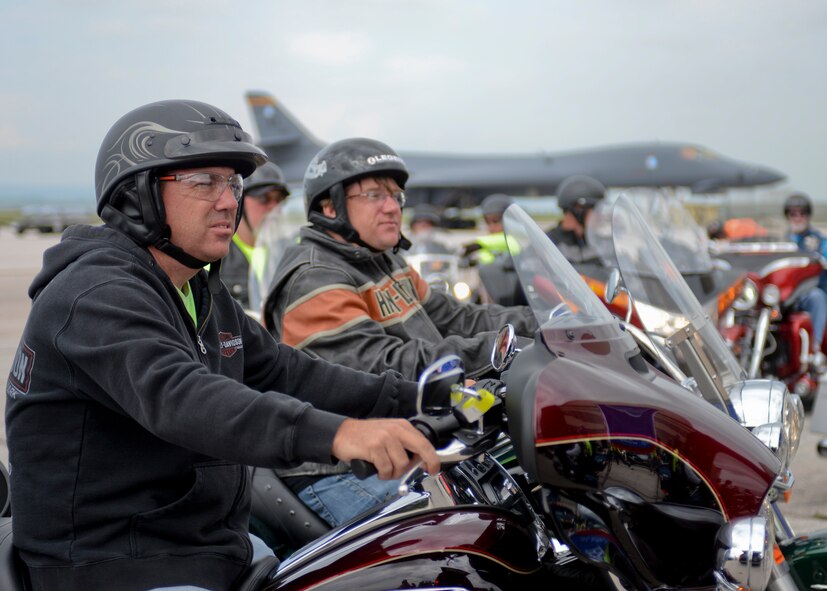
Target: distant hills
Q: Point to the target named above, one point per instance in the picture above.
(17, 196)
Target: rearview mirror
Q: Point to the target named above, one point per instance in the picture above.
(504, 348)
(612, 286)
(436, 384)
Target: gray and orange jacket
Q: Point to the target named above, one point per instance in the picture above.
(371, 311)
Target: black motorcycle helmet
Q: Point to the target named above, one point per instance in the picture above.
(267, 176)
(495, 204)
(342, 163)
(579, 193)
(798, 201)
(427, 213)
(159, 137)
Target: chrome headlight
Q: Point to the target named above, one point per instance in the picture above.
(771, 295)
(771, 413)
(744, 553)
(748, 297)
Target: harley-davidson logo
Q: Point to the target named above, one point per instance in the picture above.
(229, 343)
(20, 376)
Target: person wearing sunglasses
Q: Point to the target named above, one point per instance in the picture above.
(141, 391)
(798, 210)
(264, 192)
(345, 294)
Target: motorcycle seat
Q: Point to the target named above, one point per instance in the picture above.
(13, 575)
(280, 509)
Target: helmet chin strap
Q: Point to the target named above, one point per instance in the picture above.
(403, 243)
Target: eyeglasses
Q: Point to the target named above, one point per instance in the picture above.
(378, 197)
(797, 213)
(208, 186)
(271, 197)
(491, 220)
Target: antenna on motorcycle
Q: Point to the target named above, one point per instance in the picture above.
(505, 347)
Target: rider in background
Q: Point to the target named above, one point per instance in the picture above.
(798, 209)
(264, 191)
(576, 196)
(424, 225)
(486, 248)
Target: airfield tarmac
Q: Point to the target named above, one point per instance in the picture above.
(20, 260)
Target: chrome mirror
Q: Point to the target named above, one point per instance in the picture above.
(505, 347)
(612, 286)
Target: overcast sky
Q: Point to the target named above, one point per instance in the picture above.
(747, 78)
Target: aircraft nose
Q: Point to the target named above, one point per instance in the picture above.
(761, 176)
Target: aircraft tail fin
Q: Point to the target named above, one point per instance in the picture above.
(277, 128)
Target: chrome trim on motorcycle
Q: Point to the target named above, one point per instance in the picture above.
(689, 343)
(642, 339)
(784, 263)
(745, 557)
(773, 414)
(804, 356)
(761, 330)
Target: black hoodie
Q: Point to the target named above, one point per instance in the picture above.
(128, 429)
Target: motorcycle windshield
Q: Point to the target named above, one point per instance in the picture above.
(673, 226)
(557, 294)
(663, 301)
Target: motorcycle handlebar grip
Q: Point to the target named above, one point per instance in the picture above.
(362, 469)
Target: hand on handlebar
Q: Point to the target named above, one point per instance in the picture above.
(385, 443)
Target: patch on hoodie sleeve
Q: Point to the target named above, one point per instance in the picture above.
(20, 376)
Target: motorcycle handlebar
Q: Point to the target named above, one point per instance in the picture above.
(436, 429)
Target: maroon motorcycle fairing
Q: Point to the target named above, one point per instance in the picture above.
(624, 402)
(638, 472)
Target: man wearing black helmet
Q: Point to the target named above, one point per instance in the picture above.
(344, 294)
(264, 192)
(576, 197)
(140, 389)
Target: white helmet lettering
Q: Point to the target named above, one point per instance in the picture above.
(316, 169)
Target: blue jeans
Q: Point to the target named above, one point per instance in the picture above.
(260, 550)
(341, 497)
(814, 302)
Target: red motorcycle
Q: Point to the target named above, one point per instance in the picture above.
(765, 330)
(584, 467)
